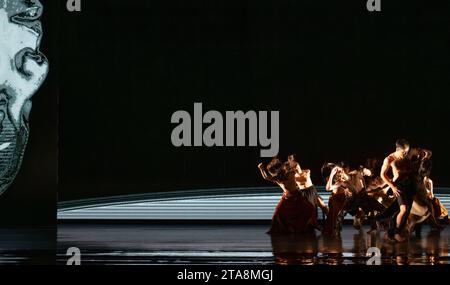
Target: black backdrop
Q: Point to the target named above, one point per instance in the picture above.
(347, 84)
(31, 199)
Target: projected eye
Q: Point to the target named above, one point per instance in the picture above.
(29, 15)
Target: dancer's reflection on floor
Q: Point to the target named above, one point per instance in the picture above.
(416, 251)
(299, 248)
(313, 248)
(332, 250)
(433, 249)
(393, 253)
(303, 249)
(359, 244)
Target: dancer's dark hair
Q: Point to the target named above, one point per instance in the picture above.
(402, 143)
(277, 169)
(374, 164)
(326, 169)
(425, 168)
(291, 163)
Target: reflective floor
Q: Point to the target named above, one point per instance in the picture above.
(241, 244)
(27, 246)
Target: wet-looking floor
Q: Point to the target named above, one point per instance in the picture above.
(242, 244)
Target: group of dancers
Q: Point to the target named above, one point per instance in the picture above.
(395, 195)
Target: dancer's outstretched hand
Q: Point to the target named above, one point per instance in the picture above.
(396, 192)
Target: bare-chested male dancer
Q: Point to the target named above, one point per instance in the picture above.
(403, 163)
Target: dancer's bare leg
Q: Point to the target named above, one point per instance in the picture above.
(322, 205)
(399, 219)
(401, 214)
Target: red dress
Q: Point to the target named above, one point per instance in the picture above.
(293, 214)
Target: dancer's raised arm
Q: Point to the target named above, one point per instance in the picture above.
(329, 186)
(429, 184)
(264, 173)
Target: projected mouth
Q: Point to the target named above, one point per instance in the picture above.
(12, 146)
(4, 146)
(12, 142)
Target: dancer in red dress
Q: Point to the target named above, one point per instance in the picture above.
(294, 213)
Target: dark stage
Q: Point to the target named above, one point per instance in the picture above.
(240, 244)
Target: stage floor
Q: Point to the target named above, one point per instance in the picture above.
(240, 244)
(27, 246)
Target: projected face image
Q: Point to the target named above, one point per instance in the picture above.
(23, 69)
